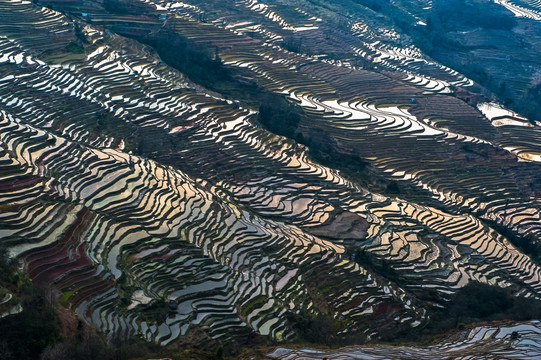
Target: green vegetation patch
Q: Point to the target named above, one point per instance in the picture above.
(74, 47)
(64, 299)
(252, 305)
(475, 303)
(279, 116)
(195, 60)
(25, 335)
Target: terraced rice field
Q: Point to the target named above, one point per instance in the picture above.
(125, 186)
(507, 342)
(527, 8)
